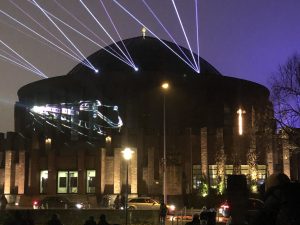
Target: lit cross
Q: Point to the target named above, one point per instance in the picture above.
(144, 32)
(240, 112)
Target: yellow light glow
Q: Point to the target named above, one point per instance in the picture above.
(108, 139)
(144, 32)
(165, 85)
(127, 153)
(48, 140)
(240, 113)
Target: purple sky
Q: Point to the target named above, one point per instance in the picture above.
(244, 39)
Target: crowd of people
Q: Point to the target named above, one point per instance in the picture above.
(26, 219)
(281, 207)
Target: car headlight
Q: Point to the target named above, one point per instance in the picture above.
(172, 207)
(79, 205)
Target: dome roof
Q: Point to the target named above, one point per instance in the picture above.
(149, 54)
(116, 79)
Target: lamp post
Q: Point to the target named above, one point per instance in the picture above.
(165, 87)
(127, 155)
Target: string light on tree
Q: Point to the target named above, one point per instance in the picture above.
(240, 113)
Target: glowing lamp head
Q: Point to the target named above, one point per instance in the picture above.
(108, 139)
(165, 85)
(127, 153)
(136, 69)
(96, 71)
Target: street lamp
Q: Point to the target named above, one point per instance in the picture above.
(165, 87)
(127, 155)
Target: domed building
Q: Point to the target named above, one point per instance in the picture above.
(76, 126)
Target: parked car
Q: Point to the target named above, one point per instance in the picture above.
(56, 202)
(253, 206)
(147, 203)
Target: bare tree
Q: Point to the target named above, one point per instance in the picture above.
(285, 94)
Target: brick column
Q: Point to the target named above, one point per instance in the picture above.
(52, 173)
(9, 171)
(81, 171)
(34, 171)
(20, 176)
(102, 172)
(204, 159)
(133, 172)
(117, 170)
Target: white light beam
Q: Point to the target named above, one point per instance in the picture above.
(97, 21)
(42, 74)
(183, 30)
(84, 58)
(142, 24)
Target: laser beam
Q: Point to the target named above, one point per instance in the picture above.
(21, 57)
(112, 22)
(88, 29)
(86, 37)
(97, 21)
(142, 24)
(68, 39)
(183, 30)
(22, 66)
(165, 29)
(197, 34)
(40, 25)
(42, 37)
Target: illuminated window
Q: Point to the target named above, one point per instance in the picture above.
(245, 169)
(67, 182)
(91, 181)
(228, 169)
(213, 178)
(261, 173)
(43, 181)
(196, 176)
(73, 184)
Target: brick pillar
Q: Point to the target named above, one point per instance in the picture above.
(101, 169)
(34, 166)
(117, 170)
(52, 173)
(9, 171)
(81, 171)
(21, 172)
(133, 172)
(204, 158)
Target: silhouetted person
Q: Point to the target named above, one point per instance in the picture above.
(162, 213)
(3, 202)
(117, 202)
(274, 198)
(102, 220)
(195, 221)
(54, 220)
(90, 221)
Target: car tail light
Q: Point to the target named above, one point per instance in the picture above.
(225, 206)
(35, 203)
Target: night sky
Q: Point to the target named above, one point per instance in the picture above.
(247, 39)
